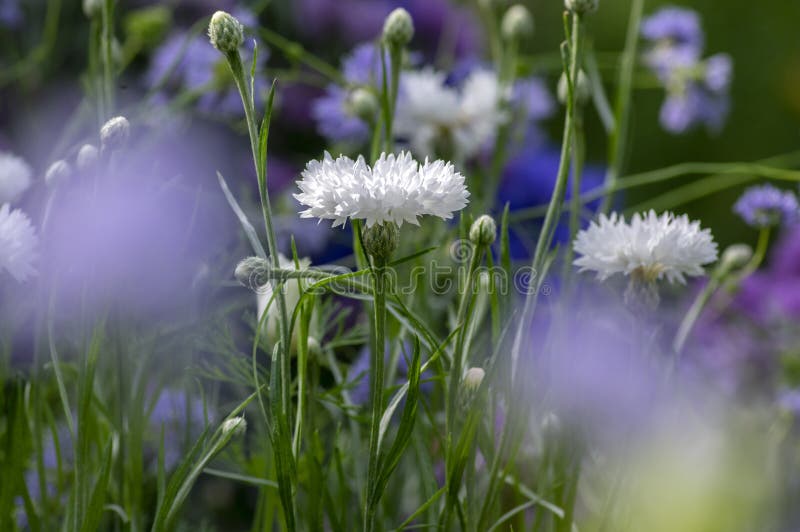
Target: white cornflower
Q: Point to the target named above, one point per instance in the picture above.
(428, 110)
(15, 177)
(651, 247)
(291, 295)
(18, 243)
(396, 189)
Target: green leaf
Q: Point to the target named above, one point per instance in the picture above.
(263, 141)
(94, 513)
(249, 230)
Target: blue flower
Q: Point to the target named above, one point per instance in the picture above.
(527, 182)
(696, 90)
(767, 206)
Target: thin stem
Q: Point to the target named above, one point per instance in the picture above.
(578, 159)
(295, 51)
(108, 57)
(616, 145)
(691, 317)
(559, 191)
(376, 389)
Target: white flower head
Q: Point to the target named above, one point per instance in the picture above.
(15, 177)
(18, 243)
(653, 246)
(396, 189)
(428, 110)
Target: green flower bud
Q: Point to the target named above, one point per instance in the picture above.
(581, 6)
(234, 426)
(114, 133)
(92, 8)
(87, 157)
(225, 32)
(517, 23)
(735, 257)
(363, 103)
(473, 379)
(252, 272)
(398, 29)
(381, 240)
(583, 90)
(58, 172)
(483, 231)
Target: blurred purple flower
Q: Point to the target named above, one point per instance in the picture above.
(353, 21)
(766, 206)
(335, 120)
(697, 90)
(186, 62)
(676, 38)
(182, 418)
(789, 400)
(10, 13)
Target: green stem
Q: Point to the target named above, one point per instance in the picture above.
(296, 51)
(559, 191)
(284, 353)
(691, 317)
(616, 145)
(108, 58)
(376, 389)
(578, 159)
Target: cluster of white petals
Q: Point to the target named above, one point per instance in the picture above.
(15, 177)
(428, 110)
(656, 246)
(395, 189)
(18, 243)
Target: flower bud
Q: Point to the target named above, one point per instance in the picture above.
(58, 172)
(581, 6)
(114, 133)
(252, 272)
(381, 240)
(363, 103)
(314, 348)
(234, 426)
(225, 32)
(87, 157)
(398, 29)
(734, 257)
(583, 91)
(517, 23)
(483, 231)
(92, 8)
(473, 379)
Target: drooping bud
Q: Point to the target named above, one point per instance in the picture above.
(114, 133)
(517, 23)
(473, 379)
(252, 272)
(483, 231)
(381, 240)
(92, 8)
(398, 29)
(583, 90)
(363, 103)
(581, 6)
(734, 257)
(87, 157)
(234, 426)
(58, 172)
(225, 32)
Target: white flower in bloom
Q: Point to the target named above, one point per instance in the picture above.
(291, 295)
(396, 189)
(652, 246)
(15, 177)
(18, 243)
(429, 110)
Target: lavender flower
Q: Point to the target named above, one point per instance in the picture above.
(767, 206)
(10, 13)
(336, 118)
(696, 89)
(190, 63)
